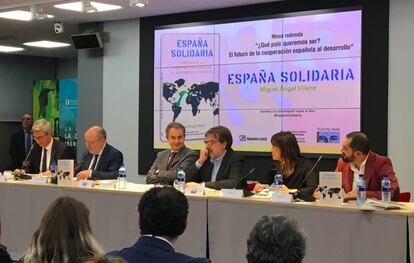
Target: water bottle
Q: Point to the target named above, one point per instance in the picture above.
(180, 182)
(361, 190)
(278, 181)
(386, 189)
(122, 177)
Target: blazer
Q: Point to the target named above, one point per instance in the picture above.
(228, 175)
(16, 149)
(107, 168)
(59, 151)
(297, 179)
(375, 168)
(154, 250)
(158, 173)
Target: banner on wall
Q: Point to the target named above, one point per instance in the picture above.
(57, 102)
(46, 103)
(68, 116)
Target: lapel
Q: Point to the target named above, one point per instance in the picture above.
(347, 177)
(180, 154)
(369, 168)
(53, 151)
(102, 158)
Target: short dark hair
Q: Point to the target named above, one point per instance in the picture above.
(222, 134)
(175, 125)
(275, 239)
(163, 212)
(359, 142)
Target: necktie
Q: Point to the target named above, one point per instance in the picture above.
(44, 160)
(95, 160)
(170, 162)
(28, 142)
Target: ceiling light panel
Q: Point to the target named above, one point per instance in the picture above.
(77, 6)
(17, 15)
(8, 49)
(46, 44)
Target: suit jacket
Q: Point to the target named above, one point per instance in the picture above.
(228, 175)
(107, 168)
(158, 173)
(375, 168)
(297, 179)
(153, 250)
(59, 151)
(16, 149)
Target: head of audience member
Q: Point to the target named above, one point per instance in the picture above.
(95, 139)
(64, 234)
(163, 212)
(355, 147)
(175, 133)
(276, 239)
(27, 122)
(218, 139)
(285, 150)
(42, 132)
(105, 259)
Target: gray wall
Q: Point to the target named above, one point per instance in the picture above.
(67, 68)
(120, 91)
(401, 91)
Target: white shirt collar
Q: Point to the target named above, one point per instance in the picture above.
(361, 169)
(161, 238)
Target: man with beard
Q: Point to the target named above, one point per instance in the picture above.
(218, 166)
(357, 158)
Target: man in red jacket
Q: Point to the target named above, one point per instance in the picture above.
(357, 158)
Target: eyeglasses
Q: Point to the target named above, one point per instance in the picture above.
(209, 143)
(39, 137)
(26, 119)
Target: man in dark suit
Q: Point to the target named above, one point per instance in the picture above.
(165, 167)
(218, 166)
(21, 141)
(46, 149)
(102, 160)
(162, 219)
(357, 158)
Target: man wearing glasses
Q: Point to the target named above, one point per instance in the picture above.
(218, 166)
(165, 167)
(21, 141)
(45, 151)
(102, 160)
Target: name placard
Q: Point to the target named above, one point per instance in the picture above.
(231, 193)
(194, 191)
(281, 198)
(39, 179)
(85, 183)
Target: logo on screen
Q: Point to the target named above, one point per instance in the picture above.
(242, 138)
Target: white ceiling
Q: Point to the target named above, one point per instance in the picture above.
(13, 32)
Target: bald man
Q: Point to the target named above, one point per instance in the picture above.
(102, 160)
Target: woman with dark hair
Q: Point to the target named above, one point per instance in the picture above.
(64, 235)
(4, 255)
(293, 167)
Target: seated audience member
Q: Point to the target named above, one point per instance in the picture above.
(102, 160)
(275, 239)
(20, 142)
(165, 167)
(64, 234)
(218, 166)
(292, 165)
(46, 149)
(162, 219)
(4, 255)
(357, 158)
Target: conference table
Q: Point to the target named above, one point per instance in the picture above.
(218, 227)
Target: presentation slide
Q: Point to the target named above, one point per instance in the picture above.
(298, 73)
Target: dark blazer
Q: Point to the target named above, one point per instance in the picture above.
(16, 149)
(375, 168)
(297, 179)
(228, 175)
(4, 255)
(154, 250)
(59, 151)
(108, 165)
(158, 173)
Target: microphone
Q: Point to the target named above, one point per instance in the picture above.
(243, 177)
(297, 194)
(25, 163)
(78, 165)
